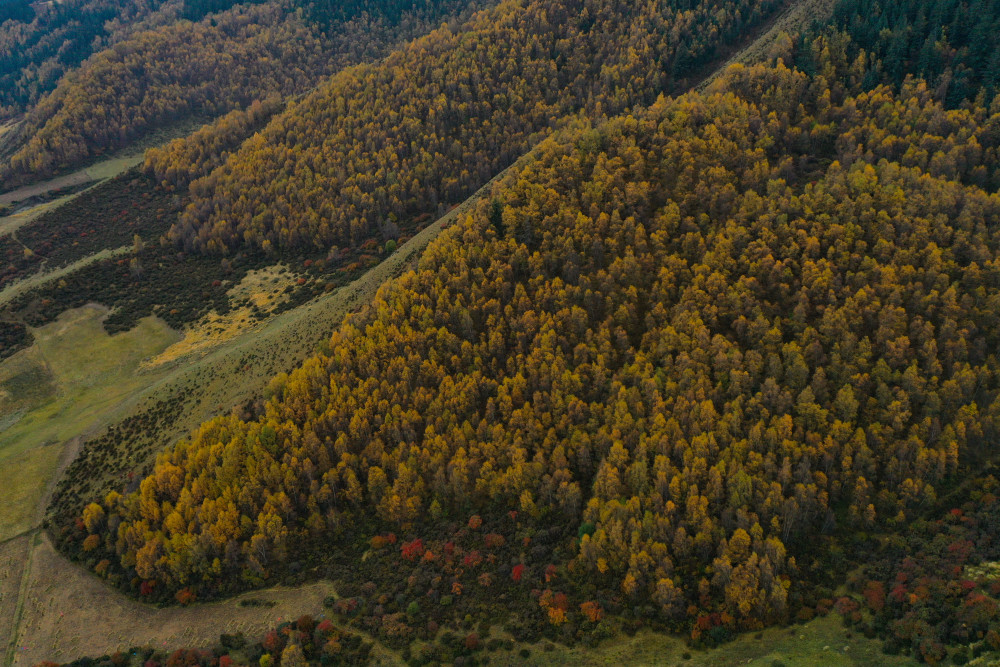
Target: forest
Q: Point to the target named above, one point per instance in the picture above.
(381, 144)
(718, 337)
(952, 45)
(224, 62)
(704, 361)
(41, 42)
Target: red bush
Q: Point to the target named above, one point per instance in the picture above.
(305, 624)
(273, 642)
(413, 550)
(494, 541)
(592, 611)
(874, 594)
(185, 596)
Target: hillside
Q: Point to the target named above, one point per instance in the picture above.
(636, 355)
(223, 62)
(513, 333)
(379, 146)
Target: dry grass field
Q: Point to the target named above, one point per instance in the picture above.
(69, 613)
(13, 559)
(264, 288)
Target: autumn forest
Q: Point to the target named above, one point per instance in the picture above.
(692, 329)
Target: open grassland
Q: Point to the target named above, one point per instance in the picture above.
(72, 381)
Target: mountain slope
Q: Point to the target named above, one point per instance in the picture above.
(675, 344)
(223, 62)
(381, 145)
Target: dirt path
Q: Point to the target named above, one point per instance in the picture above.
(31, 541)
(64, 612)
(15, 563)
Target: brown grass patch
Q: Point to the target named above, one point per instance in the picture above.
(69, 613)
(263, 288)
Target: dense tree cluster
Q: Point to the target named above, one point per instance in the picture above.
(427, 126)
(39, 42)
(936, 587)
(159, 76)
(954, 45)
(914, 127)
(223, 62)
(707, 334)
(188, 158)
(19, 11)
(13, 337)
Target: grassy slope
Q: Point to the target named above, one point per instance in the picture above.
(69, 383)
(15, 289)
(822, 642)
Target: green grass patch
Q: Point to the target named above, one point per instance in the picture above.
(73, 380)
(823, 642)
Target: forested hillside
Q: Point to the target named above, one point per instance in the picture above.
(700, 362)
(39, 42)
(208, 68)
(713, 338)
(189, 158)
(422, 130)
(953, 45)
